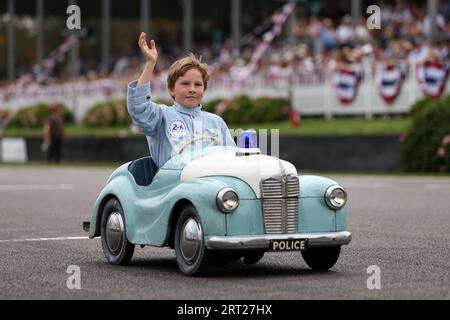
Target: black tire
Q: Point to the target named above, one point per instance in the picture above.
(121, 253)
(199, 259)
(321, 258)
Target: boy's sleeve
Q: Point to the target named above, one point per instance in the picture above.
(146, 115)
(228, 139)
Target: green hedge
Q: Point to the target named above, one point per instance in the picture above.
(240, 110)
(426, 147)
(243, 110)
(3, 115)
(210, 105)
(107, 114)
(111, 113)
(36, 115)
(167, 102)
(420, 105)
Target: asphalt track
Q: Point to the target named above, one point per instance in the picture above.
(399, 224)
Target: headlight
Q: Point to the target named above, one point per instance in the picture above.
(335, 197)
(227, 200)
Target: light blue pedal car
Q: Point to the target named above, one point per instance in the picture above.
(220, 204)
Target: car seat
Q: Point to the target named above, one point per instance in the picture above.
(143, 170)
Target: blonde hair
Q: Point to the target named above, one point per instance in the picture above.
(183, 65)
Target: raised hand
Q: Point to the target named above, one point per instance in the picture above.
(150, 54)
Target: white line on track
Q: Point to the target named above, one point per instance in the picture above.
(369, 185)
(35, 187)
(44, 239)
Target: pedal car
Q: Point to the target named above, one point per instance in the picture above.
(219, 204)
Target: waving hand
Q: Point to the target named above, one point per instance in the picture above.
(150, 53)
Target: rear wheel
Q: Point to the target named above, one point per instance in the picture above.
(321, 258)
(193, 258)
(116, 247)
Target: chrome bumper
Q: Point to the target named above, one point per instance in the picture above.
(324, 239)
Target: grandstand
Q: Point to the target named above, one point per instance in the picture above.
(322, 57)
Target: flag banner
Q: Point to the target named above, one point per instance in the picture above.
(278, 20)
(389, 79)
(432, 77)
(346, 83)
(40, 72)
(267, 31)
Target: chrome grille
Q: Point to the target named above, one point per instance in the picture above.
(292, 186)
(280, 204)
(272, 188)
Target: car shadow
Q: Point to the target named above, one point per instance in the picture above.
(262, 270)
(235, 269)
(159, 264)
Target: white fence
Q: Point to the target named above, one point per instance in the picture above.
(78, 97)
(309, 95)
(322, 99)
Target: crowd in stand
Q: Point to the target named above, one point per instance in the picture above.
(319, 44)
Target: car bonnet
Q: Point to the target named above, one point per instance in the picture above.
(251, 169)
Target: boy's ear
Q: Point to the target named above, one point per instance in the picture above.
(172, 93)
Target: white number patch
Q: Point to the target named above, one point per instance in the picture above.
(177, 128)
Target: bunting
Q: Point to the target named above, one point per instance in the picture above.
(40, 72)
(389, 79)
(346, 82)
(278, 20)
(432, 77)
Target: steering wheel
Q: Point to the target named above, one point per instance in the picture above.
(215, 142)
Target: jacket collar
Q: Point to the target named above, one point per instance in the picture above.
(187, 111)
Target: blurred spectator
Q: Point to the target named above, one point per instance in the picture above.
(440, 24)
(54, 134)
(345, 33)
(321, 43)
(362, 34)
(328, 35)
(445, 10)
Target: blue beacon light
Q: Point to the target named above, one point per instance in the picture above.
(248, 144)
(248, 140)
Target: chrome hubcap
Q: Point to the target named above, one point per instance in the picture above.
(114, 232)
(191, 237)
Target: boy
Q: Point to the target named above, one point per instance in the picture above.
(169, 128)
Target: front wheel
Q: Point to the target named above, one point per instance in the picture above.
(321, 258)
(193, 258)
(115, 245)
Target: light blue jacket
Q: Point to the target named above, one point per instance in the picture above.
(169, 128)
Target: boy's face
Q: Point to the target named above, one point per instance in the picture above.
(189, 89)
